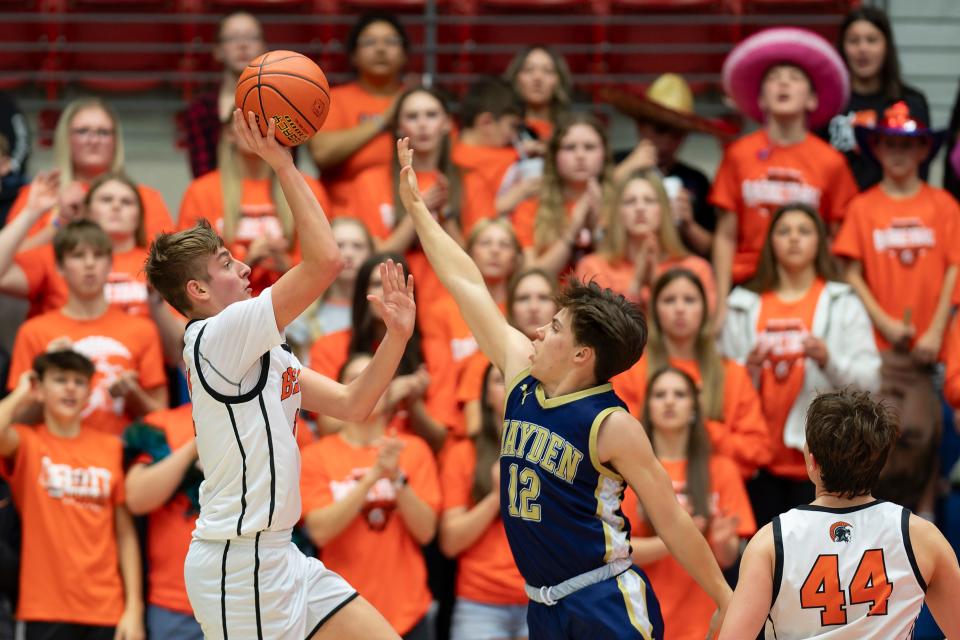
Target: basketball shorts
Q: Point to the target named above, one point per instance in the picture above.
(621, 607)
(260, 587)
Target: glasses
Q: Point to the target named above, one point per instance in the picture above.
(89, 132)
(367, 43)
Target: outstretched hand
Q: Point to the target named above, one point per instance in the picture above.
(409, 189)
(395, 305)
(250, 140)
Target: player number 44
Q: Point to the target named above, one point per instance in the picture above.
(869, 585)
(528, 482)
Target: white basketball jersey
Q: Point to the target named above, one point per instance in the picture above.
(845, 573)
(245, 387)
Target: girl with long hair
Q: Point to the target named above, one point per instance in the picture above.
(681, 336)
(707, 484)
(562, 225)
(243, 202)
(421, 409)
(867, 46)
(491, 602)
(640, 242)
(87, 143)
(370, 501)
(542, 79)
(800, 332)
(332, 311)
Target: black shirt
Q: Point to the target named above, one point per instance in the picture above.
(839, 132)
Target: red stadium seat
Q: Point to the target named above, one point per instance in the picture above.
(821, 16)
(24, 43)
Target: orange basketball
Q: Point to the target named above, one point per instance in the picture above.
(288, 87)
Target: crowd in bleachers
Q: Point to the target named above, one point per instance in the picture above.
(817, 257)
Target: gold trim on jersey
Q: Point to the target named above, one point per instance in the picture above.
(513, 383)
(646, 627)
(594, 434)
(550, 403)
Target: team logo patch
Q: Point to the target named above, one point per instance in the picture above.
(841, 531)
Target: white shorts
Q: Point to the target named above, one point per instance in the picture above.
(260, 587)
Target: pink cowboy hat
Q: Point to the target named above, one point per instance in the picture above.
(744, 68)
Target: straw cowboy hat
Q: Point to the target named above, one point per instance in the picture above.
(668, 101)
(748, 63)
(898, 121)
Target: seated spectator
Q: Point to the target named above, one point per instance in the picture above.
(681, 336)
(331, 313)
(112, 202)
(421, 115)
(787, 88)
(707, 485)
(13, 166)
(490, 600)
(664, 116)
(426, 409)
(239, 41)
(531, 304)
(370, 501)
(87, 143)
(356, 134)
(542, 79)
(67, 480)
(163, 483)
(496, 252)
(799, 332)
(900, 242)
(640, 242)
(560, 226)
(868, 49)
(126, 350)
(244, 204)
(491, 114)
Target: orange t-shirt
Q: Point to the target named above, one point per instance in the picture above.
(619, 275)
(170, 527)
(484, 169)
(470, 385)
(543, 128)
(258, 217)
(156, 216)
(951, 350)
(114, 342)
(686, 607)
(486, 570)
(350, 106)
(126, 286)
(781, 330)
(756, 176)
(905, 246)
(66, 491)
(742, 436)
(375, 553)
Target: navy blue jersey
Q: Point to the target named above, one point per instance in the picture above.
(560, 506)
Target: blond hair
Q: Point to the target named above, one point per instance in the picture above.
(231, 186)
(176, 258)
(62, 157)
(552, 220)
(613, 246)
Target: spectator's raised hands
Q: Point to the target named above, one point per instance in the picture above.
(44, 193)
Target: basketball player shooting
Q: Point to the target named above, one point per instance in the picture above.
(567, 449)
(244, 577)
(847, 565)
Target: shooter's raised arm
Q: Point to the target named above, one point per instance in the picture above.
(507, 348)
(320, 263)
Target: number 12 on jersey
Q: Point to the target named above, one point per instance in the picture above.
(523, 505)
(869, 585)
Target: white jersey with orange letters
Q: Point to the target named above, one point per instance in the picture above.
(244, 577)
(845, 573)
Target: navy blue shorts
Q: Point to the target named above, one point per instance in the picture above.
(621, 607)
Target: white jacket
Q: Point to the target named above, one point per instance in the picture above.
(840, 320)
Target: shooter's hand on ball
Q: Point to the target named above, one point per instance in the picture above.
(250, 140)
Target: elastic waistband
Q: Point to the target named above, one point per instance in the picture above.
(550, 595)
(267, 539)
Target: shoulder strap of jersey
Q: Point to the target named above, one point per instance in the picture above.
(216, 395)
(908, 545)
(778, 560)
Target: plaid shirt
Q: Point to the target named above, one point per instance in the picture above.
(202, 125)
